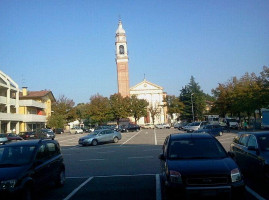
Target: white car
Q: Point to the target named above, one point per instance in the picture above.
(147, 126)
(195, 126)
(76, 130)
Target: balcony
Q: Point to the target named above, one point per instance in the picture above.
(3, 100)
(32, 103)
(22, 118)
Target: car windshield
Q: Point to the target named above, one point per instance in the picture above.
(196, 148)
(2, 135)
(12, 156)
(264, 142)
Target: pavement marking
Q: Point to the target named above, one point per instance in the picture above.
(77, 189)
(97, 159)
(155, 137)
(140, 157)
(130, 138)
(158, 188)
(253, 193)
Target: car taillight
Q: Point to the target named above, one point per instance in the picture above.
(175, 176)
(27, 136)
(236, 175)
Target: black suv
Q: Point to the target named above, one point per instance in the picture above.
(196, 165)
(28, 165)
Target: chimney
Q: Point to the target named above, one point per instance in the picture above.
(24, 91)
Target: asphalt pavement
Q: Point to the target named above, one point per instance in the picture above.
(128, 169)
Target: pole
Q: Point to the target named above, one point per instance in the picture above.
(192, 108)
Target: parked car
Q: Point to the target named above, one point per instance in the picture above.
(44, 133)
(100, 136)
(181, 125)
(13, 137)
(161, 126)
(3, 138)
(197, 164)
(26, 166)
(147, 126)
(187, 125)
(251, 152)
(59, 131)
(27, 135)
(76, 130)
(129, 128)
(215, 130)
(195, 126)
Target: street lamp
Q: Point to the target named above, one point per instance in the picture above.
(192, 107)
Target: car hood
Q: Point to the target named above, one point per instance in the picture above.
(88, 136)
(8, 173)
(203, 166)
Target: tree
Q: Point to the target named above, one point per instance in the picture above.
(154, 112)
(119, 107)
(138, 107)
(56, 121)
(174, 105)
(99, 109)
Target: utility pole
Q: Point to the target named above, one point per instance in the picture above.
(192, 108)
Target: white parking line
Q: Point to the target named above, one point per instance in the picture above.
(155, 137)
(78, 188)
(140, 157)
(158, 188)
(253, 193)
(130, 138)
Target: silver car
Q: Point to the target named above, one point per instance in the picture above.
(100, 136)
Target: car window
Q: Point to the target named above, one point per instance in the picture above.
(195, 148)
(42, 153)
(252, 141)
(243, 140)
(109, 131)
(263, 142)
(51, 149)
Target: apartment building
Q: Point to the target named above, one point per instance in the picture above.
(22, 110)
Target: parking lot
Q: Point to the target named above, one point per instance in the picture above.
(125, 170)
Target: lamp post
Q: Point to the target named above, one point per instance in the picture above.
(192, 108)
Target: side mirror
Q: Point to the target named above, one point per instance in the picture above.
(231, 154)
(161, 157)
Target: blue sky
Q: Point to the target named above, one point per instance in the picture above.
(69, 46)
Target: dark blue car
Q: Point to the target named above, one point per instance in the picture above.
(196, 165)
(215, 130)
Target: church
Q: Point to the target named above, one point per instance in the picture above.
(151, 92)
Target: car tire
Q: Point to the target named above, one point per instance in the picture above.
(60, 179)
(115, 140)
(27, 193)
(220, 133)
(94, 142)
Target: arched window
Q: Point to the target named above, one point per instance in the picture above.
(121, 49)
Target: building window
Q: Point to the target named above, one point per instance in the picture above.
(121, 49)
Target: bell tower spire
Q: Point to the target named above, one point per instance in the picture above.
(122, 61)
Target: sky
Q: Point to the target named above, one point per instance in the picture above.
(68, 46)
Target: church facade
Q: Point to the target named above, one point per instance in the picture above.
(151, 92)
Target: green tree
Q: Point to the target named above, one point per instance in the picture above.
(56, 121)
(99, 109)
(174, 105)
(138, 107)
(154, 111)
(119, 107)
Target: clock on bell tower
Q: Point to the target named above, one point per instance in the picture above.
(122, 61)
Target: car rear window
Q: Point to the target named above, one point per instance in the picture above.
(196, 148)
(264, 142)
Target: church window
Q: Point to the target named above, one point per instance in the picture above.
(121, 49)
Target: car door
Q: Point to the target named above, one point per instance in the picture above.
(109, 135)
(102, 136)
(41, 168)
(54, 159)
(241, 151)
(253, 161)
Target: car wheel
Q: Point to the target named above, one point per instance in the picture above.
(60, 179)
(220, 133)
(27, 193)
(115, 140)
(94, 142)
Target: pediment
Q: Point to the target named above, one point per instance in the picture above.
(145, 85)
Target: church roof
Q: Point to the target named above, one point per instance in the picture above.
(120, 30)
(146, 85)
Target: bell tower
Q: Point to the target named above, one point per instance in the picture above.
(122, 61)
